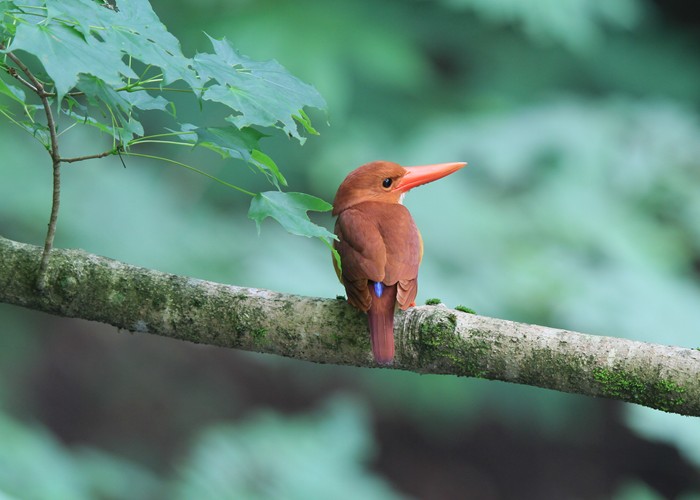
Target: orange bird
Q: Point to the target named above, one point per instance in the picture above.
(379, 244)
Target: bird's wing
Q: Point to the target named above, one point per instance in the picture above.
(404, 249)
(406, 293)
(378, 242)
(362, 254)
(402, 242)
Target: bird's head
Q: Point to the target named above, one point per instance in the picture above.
(386, 182)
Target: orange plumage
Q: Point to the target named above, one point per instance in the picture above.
(379, 245)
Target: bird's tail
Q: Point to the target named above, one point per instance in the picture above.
(381, 322)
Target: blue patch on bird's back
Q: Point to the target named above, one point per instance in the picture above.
(378, 288)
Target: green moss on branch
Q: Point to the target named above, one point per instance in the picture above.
(429, 339)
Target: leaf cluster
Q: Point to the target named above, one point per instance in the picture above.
(105, 65)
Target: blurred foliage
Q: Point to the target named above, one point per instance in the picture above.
(316, 456)
(575, 24)
(33, 465)
(269, 457)
(579, 210)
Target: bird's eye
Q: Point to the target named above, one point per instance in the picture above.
(387, 182)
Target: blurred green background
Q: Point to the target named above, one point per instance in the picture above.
(580, 209)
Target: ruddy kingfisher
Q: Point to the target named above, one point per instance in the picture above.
(380, 246)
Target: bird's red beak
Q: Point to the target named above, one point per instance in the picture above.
(417, 176)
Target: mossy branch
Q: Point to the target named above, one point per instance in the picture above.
(430, 339)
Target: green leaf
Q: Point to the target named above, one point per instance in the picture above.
(267, 164)
(134, 30)
(123, 130)
(85, 37)
(336, 256)
(5, 5)
(231, 142)
(39, 131)
(116, 107)
(97, 93)
(85, 15)
(305, 121)
(260, 93)
(14, 93)
(141, 35)
(143, 100)
(64, 53)
(289, 209)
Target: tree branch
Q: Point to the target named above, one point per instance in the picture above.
(430, 339)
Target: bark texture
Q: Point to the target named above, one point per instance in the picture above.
(429, 339)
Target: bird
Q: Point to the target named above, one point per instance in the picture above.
(379, 245)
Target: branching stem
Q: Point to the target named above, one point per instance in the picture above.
(13, 73)
(90, 157)
(38, 88)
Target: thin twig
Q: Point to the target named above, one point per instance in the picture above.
(89, 157)
(13, 73)
(56, 165)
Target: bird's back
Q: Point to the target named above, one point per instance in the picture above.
(378, 242)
